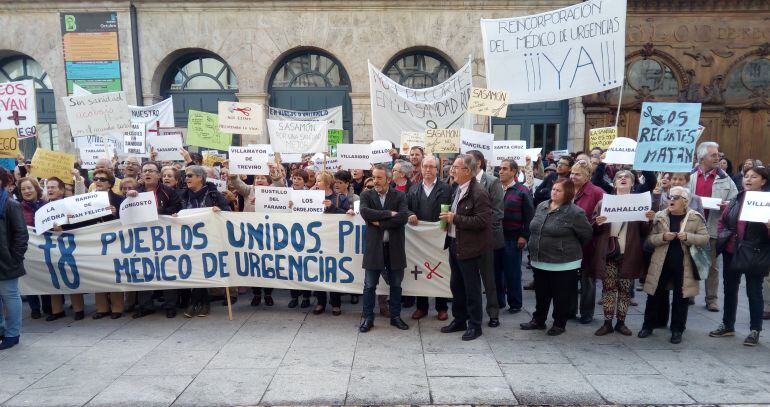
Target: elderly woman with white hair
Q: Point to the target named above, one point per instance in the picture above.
(674, 230)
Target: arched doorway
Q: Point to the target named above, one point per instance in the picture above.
(312, 80)
(419, 69)
(22, 67)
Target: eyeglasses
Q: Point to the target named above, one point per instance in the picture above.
(369, 186)
(131, 163)
(101, 179)
(674, 197)
(189, 175)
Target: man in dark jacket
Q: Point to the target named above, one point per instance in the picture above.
(469, 235)
(13, 246)
(385, 211)
(563, 169)
(168, 203)
(425, 199)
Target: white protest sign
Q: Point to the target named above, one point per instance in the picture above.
(380, 151)
(174, 131)
(90, 156)
(110, 144)
(396, 108)
(248, 161)
(621, 151)
(240, 118)
(558, 153)
(167, 148)
(332, 115)
(140, 209)
(92, 205)
(756, 207)
(97, 114)
(487, 102)
(411, 139)
(298, 136)
(476, 140)
(558, 54)
(710, 203)
(332, 164)
(221, 185)
(354, 156)
(626, 208)
(265, 149)
(533, 153)
(514, 150)
(272, 199)
(51, 214)
(291, 158)
(307, 201)
(358, 220)
(18, 108)
(134, 140)
(149, 119)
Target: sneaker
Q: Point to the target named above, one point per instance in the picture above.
(191, 310)
(721, 332)
(752, 339)
(204, 310)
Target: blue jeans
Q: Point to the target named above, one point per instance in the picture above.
(508, 275)
(393, 278)
(732, 282)
(10, 305)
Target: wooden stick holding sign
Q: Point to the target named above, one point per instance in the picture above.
(229, 304)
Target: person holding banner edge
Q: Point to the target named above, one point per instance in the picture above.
(13, 245)
(333, 203)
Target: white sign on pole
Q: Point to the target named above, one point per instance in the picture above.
(626, 208)
(411, 139)
(90, 156)
(396, 108)
(307, 201)
(298, 136)
(18, 108)
(756, 207)
(51, 214)
(167, 148)
(621, 151)
(272, 199)
(291, 158)
(240, 118)
(134, 140)
(92, 205)
(332, 115)
(140, 209)
(97, 114)
(558, 153)
(174, 131)
(476, 140)
(248, 161)
(380, 151)
(149, 119)
(221, 185)
(533, 153)
(710, 203)
(558, 54)
(514, 150)
(354, 156)
(265, 149)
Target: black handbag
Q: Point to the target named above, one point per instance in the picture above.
(751, 258)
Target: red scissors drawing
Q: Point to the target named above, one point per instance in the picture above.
(432, 270)
(244, 110)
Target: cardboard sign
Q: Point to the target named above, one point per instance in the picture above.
(272, 199)
(92, 205)
(211, 158)
(141, 209)
(291, 158)
(97, 114)
(18, 108)
(174, 131)
(513, 150)
(487, 102)
(602, 137)
(756, 207)
(667, 136)
(710, 203)
(47, 164)
(307, 201)
(354, 156)
(622, 150)
(335, 137)
(49, 215)
(167, 148)
(411, 139)
(9, 143)
(533, 153)
(89, 157)
(248, 161)
(203, 131)
(288, 136)
(558, 153)
(438, 141)
(380, 152)
(627, 207)
(134, 141)
(476, 140)
(240, 118)
(221, 185)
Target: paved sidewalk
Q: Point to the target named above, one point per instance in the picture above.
(278, 356)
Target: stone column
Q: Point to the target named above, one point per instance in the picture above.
(260, 98)
(362, 117)
(576, 126)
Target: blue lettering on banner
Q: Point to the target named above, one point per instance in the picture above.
(66, 259)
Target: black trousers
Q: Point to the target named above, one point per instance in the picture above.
(296, 293)
(146, 303)
(335, 299)
(199, 296)
(658, 303)
(441, 304)
(465, 284)
(257, 291)
(556, 286)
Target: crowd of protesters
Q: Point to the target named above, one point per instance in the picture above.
(545, 215)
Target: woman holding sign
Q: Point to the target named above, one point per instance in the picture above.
(32, 200)
(674, 230)
(736, 236)
(617, 259)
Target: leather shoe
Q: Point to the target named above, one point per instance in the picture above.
(555, 331)
(712, 306)
(366, 326)
(471, 334)
(454, 326)
(621, 328)
(418, 313)
(644, 333)
(531, 325)
(605, 329)
(293, 303)
(442, 315)
(586, 319)
(399, 323)
(676, 337)
(494, 322)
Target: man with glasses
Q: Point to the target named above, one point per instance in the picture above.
(131, 167)
(168, 203)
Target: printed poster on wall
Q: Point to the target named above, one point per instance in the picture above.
(396, 108)
(667, 136)
(18, 108)
(91, 51)
(558, 54)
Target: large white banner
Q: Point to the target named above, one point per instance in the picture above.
(332, 115)
(206, 249)
(559, 54)
(396, 108)
(299, 137)
(149, 119)
(18, 108)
